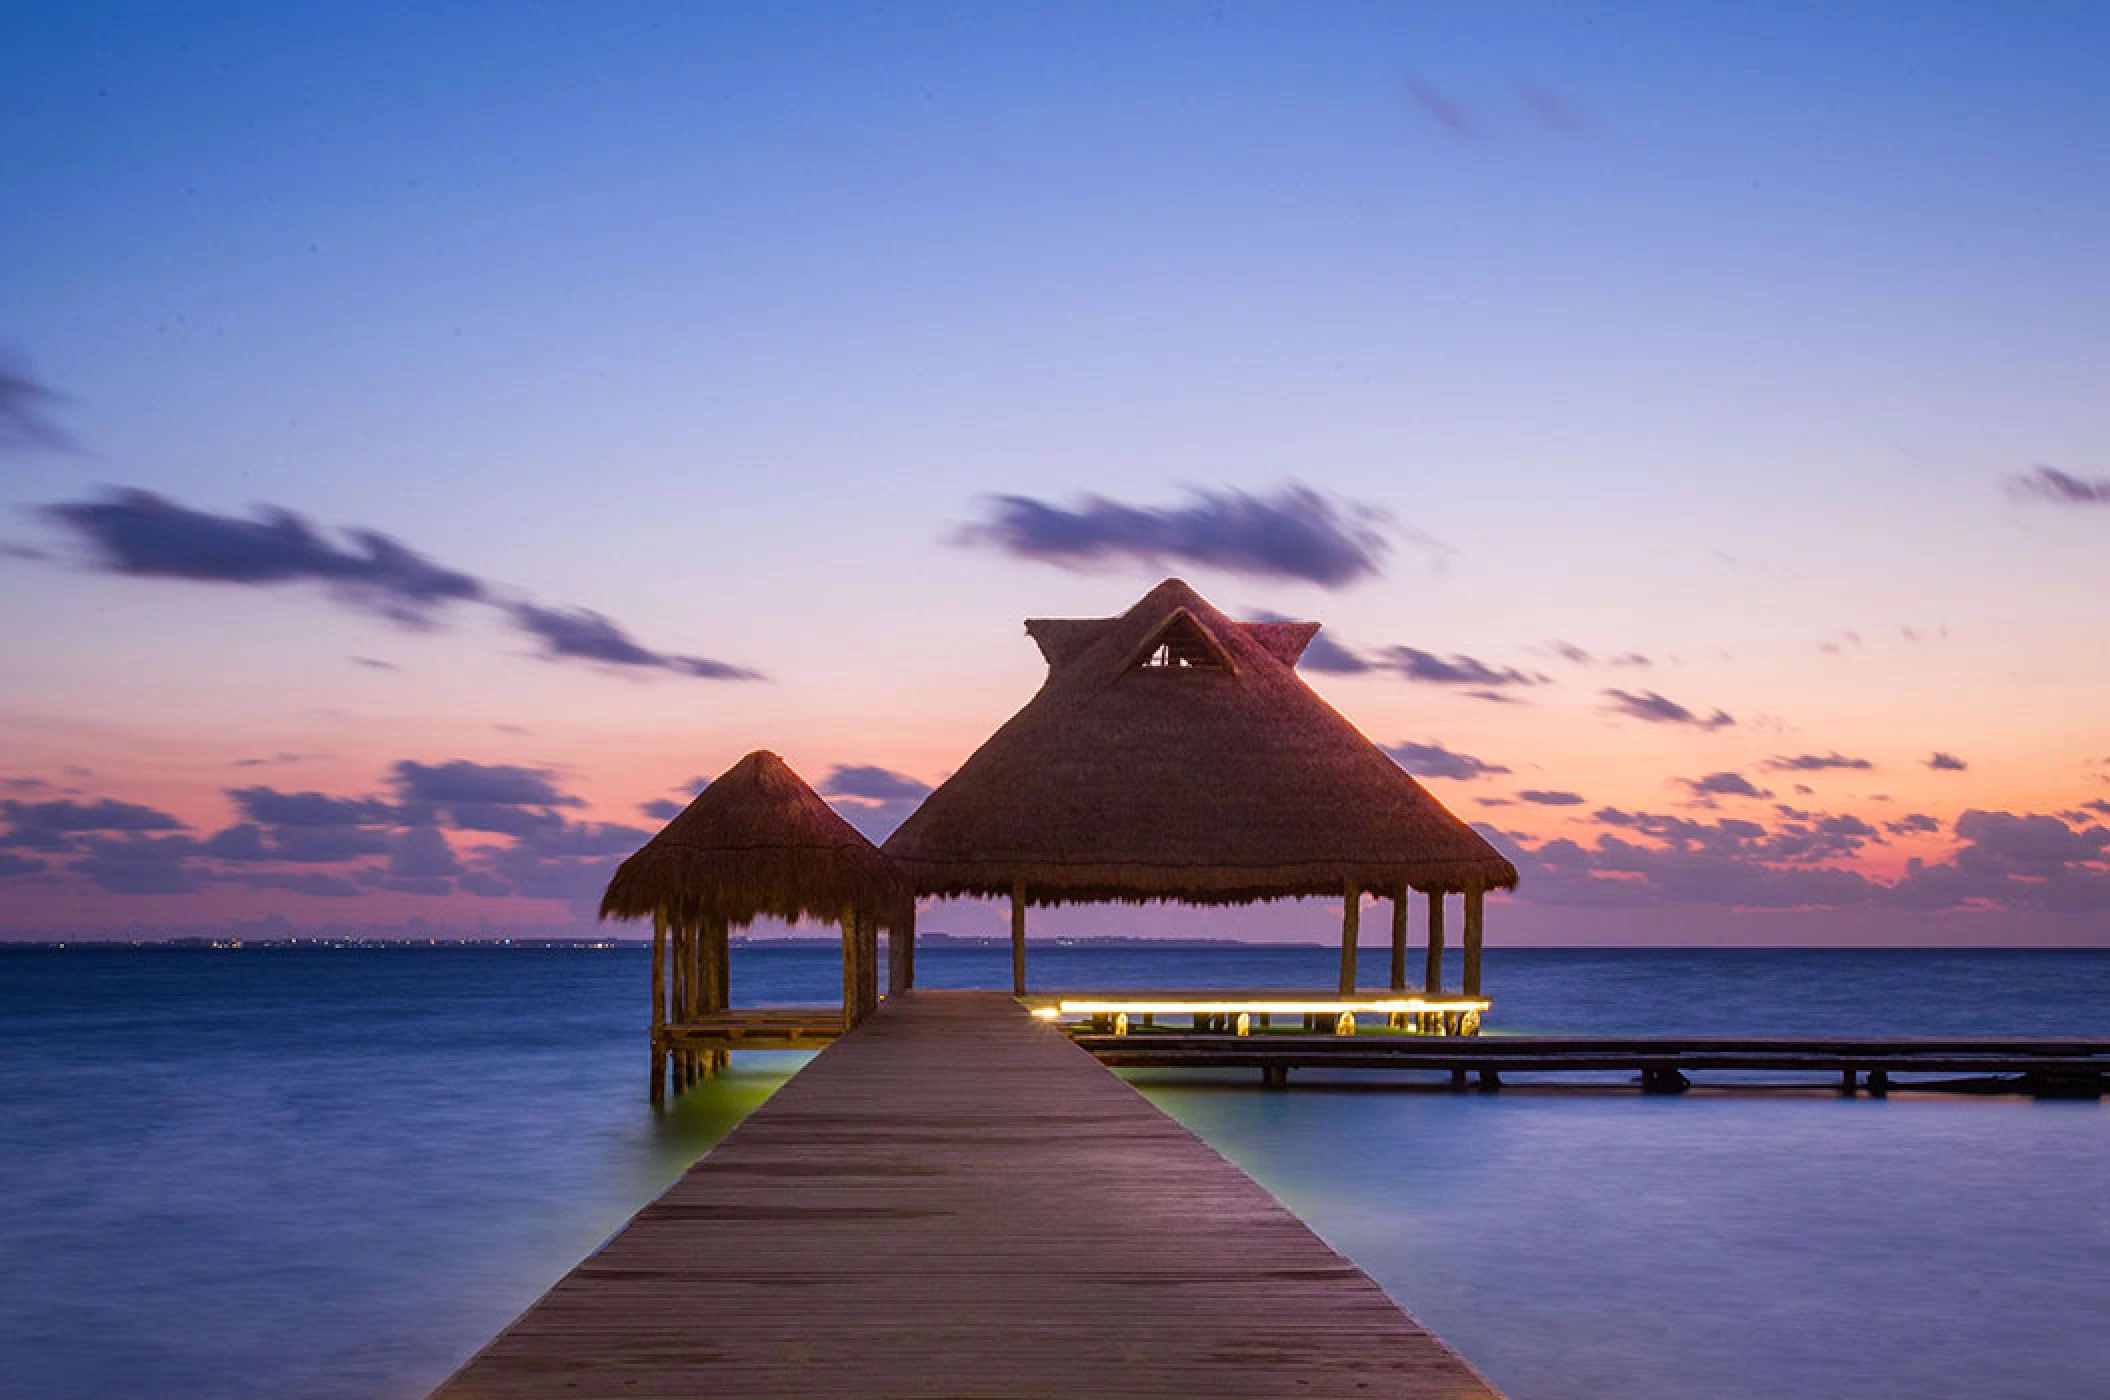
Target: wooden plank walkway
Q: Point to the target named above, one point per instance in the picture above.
(955, 1201)
(2055, 1067)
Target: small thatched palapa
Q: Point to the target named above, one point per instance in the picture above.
(1175, 754)
(758, 841)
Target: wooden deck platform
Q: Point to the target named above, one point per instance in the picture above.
(764, 1028)
(2047, 1067)
(955, 1201)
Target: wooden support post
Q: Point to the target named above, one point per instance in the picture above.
(850, 949)
(659, 968)
(1399, 939)
(699, 1060)
(659, 1005)
(1018, 940)
(722, 953)
(678, 999)
(908, 948)
(901, 954)
(1475, 925)
(1351, 933)
(867, 967)
(1432, 971)
(710, 994)
(678, 971)
(699, 955)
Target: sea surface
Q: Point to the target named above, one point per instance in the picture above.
(335, 1173)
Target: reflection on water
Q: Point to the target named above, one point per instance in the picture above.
(1621, 1247)
(336, 1174)
(314, 1174)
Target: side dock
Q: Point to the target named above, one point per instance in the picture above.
(2051, 1068)
(954, 1200)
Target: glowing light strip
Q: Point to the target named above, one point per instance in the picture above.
(1386, 1005)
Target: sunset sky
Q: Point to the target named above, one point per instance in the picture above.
(434, 438)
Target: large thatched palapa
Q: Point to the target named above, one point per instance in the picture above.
(757, 842)
(1175, 754)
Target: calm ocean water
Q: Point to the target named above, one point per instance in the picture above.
(317, 1173)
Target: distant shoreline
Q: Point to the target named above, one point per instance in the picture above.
(923, 940)
(356, 942)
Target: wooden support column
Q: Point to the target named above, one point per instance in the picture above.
(699, 968)
(659, 1004)
(678, 997)
(678, 972)
(1018, 940)
(1475, 921)
(1351, 933)
(849, 969)
(1432, 971)
(867, 967)
(1399, 939)
(721, 951)
(901, 954)
(710, 991)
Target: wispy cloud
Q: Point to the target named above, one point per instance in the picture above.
(49, 825)
(872, 783)
(1441, 108)
(277, 760)
(1582, 656)
(875, 800)
(1296, 533)
(1553, 111)
(2058, 488)
(580, 634)
(460, 782)
(400, 843)
(139, 534)
(275, 808)
(1433, 760)
(25, 407)
(1946, 762)
(1814, 763)
(1411, 663)
(1652, 708)
(1544, 797)
(1725, 784)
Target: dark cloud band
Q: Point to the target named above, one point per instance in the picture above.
(139, 534)
(1296, 533)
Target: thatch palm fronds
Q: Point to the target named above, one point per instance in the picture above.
(757, 842)
(1175, 754)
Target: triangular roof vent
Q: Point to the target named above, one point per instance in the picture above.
(1182, 644)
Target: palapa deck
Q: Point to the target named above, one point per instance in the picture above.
(953, 1200)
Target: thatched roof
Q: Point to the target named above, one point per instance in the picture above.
(1214, 776)
(757, 841)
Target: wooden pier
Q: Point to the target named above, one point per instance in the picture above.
(954, 1200)
(2045, 1067)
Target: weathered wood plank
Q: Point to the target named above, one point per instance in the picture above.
(954, 1200)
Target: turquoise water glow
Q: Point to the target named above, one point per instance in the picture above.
(336, 1173)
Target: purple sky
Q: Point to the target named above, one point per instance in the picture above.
(429, 443)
